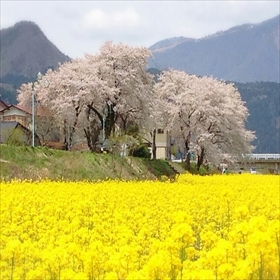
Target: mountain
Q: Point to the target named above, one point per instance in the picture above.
(25, 51)
(263, 102)
(245, 53)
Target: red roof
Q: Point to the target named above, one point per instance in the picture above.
(39, 111)
(17, 107)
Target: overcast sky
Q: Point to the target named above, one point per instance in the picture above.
(79, 27)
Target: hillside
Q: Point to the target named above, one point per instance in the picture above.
(263, 102)
(23, 162)
(245, 53)
(24, 52)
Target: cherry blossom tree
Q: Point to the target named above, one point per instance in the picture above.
(176, 91)
(124, 68)
(71, 89)
(221, 128)
(98, 93)
(130, 101)
(207, 114)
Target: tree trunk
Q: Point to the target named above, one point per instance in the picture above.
(109, 121)
(200, 159)
(188, 162)
(188, 158)
(168, 146)
(87, 134)
(92, 134)
(65, 132)
(154, 147)
(72, 129)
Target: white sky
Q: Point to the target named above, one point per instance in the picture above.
(79, 27)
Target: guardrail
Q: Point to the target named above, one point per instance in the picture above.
(250, 156)
(264, 156)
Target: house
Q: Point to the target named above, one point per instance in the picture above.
(47, 134)
(16, 114)
(162, 142)
(15, 133)
(163, 150)
(15, 125)
(15, 117)
(3, 105)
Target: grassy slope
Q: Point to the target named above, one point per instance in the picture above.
(37, 163)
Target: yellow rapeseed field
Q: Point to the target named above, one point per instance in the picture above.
(199, 227)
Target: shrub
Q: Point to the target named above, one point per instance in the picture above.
(142, 152)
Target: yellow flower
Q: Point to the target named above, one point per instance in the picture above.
(224, 227)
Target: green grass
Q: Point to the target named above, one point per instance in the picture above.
(24, 162)
(159, 167)
(36, 163)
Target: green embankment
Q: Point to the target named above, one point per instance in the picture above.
(36, 163)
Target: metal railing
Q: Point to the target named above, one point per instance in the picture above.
(264, 156)
(250, 156)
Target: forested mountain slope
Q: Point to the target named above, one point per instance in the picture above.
(263, 101)
(24, 52)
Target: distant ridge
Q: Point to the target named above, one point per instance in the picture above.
(245, 53)
(25, 51)
(169, 43)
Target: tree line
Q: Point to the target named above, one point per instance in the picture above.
(109, 94)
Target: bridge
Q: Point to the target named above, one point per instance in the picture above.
(269, 162)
